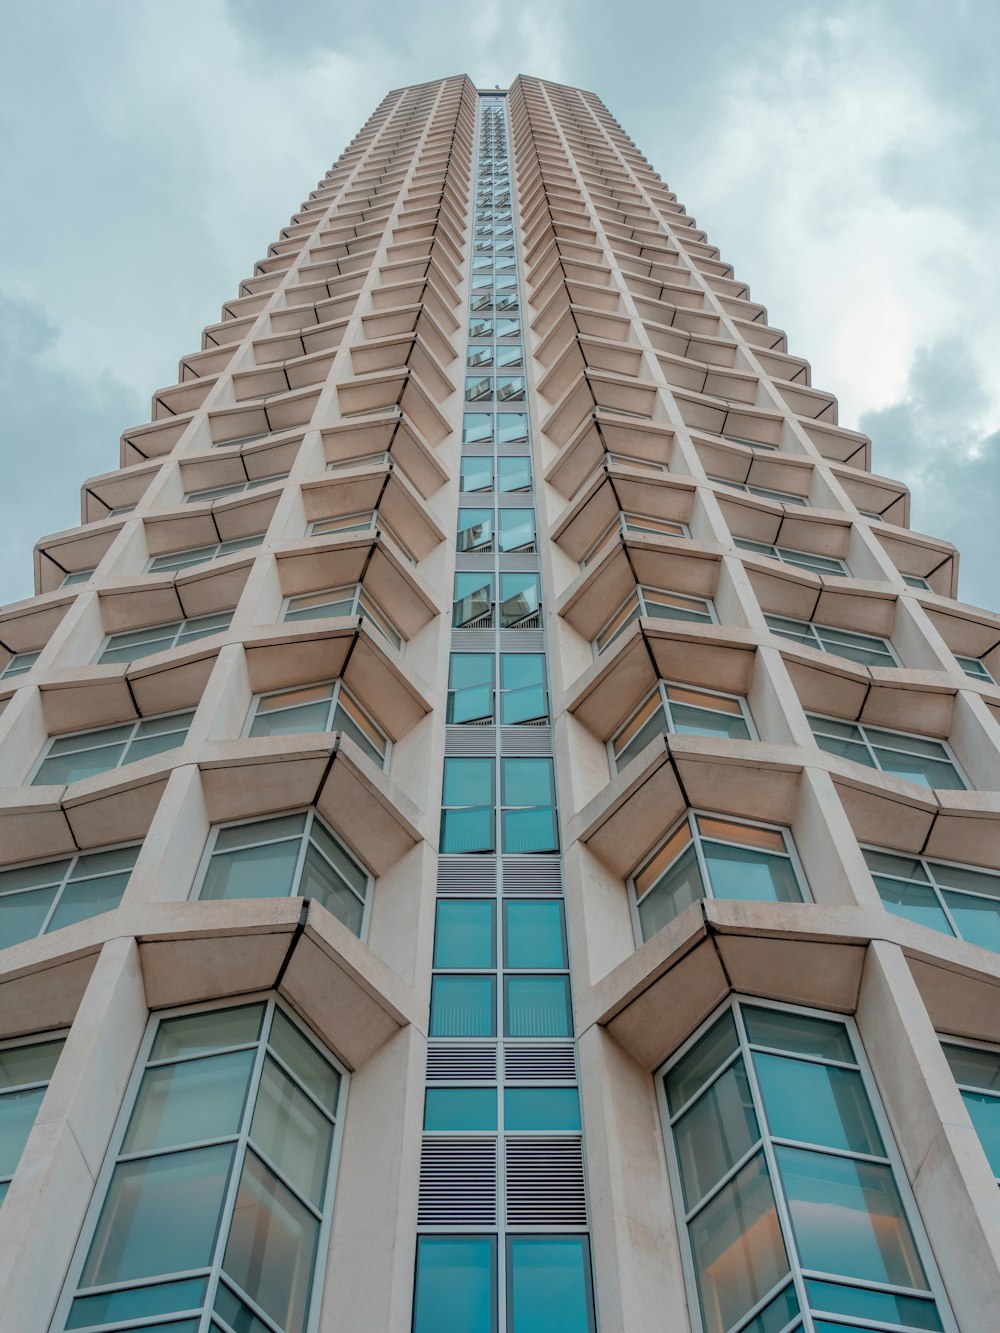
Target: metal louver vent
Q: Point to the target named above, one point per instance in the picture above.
(467, 874)
(472, 738)
(538, 1062)
(545, 1182)
(458, 1182)
(528, 875)
(518, 560)
(527, 739)
(479, 641)
(523, 640)
(477, 1063)
(478, 559)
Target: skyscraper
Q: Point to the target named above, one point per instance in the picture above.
(500, 824)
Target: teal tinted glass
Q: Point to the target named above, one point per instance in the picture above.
(189, 1102)
(527, 781)
(466, 933)
(816, 1103)
(292, 1132)
(969, 1065)
(533, 933)
(137, 1302)
(715, 1132)
(191, 1034)
(549, 1285)
(977, 919)
(537, 1007)
(456, 1285)
(862, 1303)
(530, 831)
(17, 1115)
(678, 888)
(914, 902)
(741, 872)
(33, 1063)
(259, 871)
(460, 1109)
(470, 687)
(541, 1109)
(468, 782)
(522, 680)
(775, 1316)
(801, 1033)
(463, 1006)
(304, 1060)
(707, 1055)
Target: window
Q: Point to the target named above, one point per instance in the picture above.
(788, 555)
(19, 663)
(974, 668)
(915, 758)
(135, 643)
(523, 696)
(869, 649)
(658, 604)
(77, 576)
(222, 1179)
(334, 602)
(977, 1072)
(686, 711)
(26, 1066)
(787, 1185)
(520, 601)
(368, 521)
(632, 523)
(916, 581)
(309, 708)
(527, 818)
(290, 856)
(84, 753)
(472, 607)
(37, 899)
(708, 857)
(232, 488)
(765, 492)
(197, 555)
(955, 899)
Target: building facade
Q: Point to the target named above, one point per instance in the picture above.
(499, 812)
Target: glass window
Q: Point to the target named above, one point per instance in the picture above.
(232, 488)
(470, 688)
(475, 529)
(537, 1006)
(512, 427)
(549, 1285)
(472, 607)
(957, 900)
(81, 754)
(534, 933)
(684, 710)
(918, 759)
(977, 1073)
(37, 899)
(477, 474)
(916, 581)
(974, 668)
(349, 601)
(25, 1071)
(465, 935)
(311, 708)
(788, 555)
(456, 1284)
(658, 604)
(516, 530)
(869, 649)
(77, 576)
(523, 695)
(196, 555)
(476, 427)
(19, 663)
(716, 858)
(542, 1110)
(467, 806)
(463, 1006)
(132, 644)
(289, 856)
(513, 474)
(249, 1098)
(528, 795)
(770, 1102)
(460, 1109)
(520, 601)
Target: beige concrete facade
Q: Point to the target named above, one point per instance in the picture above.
(323, 419)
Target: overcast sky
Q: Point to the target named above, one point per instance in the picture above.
(843, 156)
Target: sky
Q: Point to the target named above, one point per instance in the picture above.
(842, 154)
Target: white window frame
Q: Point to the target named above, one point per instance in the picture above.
(136, 724)
(816, 634)
(370, 520)
(937, 888)
(629, 523)
(357, 591)
(14, 1043)
(209, 493)
(765, 1145)
(989, 1048)
(661, 689)
(337, 688)
(891, 731)
(241, 1139)
(179, 628)
(203, 554)
(73, 858)
(781, 553)
(639, 593)
(764, 492)
(982, 673)
(14, 660)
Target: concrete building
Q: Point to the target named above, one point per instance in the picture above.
(499, 812)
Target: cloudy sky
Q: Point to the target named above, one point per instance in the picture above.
(842, 155)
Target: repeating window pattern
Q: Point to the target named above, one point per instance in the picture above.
(325, 707)
(334, 602)
(369, 520)
(26, 1067)
(502, 1211)
(37, 899)
(197, 555)
(869, 649)
(214, 1205)
(81, 754)
(787, 1185)
(77, 576)
(132, 644)
(686, 711)
(916, 758)
(709, 857)
(288, 856)
(954, 899)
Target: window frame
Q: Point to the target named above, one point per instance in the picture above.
(241, 1141)
(987, 1048)
(5, 671)
(815, 633)
(66, 879)
(337, 689)
(43, 1038)
(939, 889)
(662, 690)
(212, 552)
(357, 591)
(781, 554)
(639, 593)
(180, 629)
(111, 726)
(764, 1145)
(892, 731)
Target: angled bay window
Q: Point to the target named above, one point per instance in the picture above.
(231, 488)
(221, 1181)
(196, 555)
(686, 711)
(634, 523)
(369, 520)
(917, 758)
(132, 644)
(292, 856)
(869, 649)
(37, 899)
(976, 1070)
(19, 663)
(708, 857)
(311, 708)
(788, 1188)
(334, 602)
(658, 604)
(957, 900)
(26, 1067)
(974, 668)
(80, 754)
(789, 555)
(765, 492)
(77, 576)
